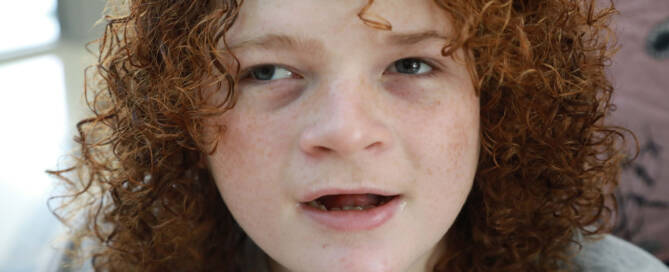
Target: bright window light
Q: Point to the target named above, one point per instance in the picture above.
(33, 118)
(27, 25)
(33, 114)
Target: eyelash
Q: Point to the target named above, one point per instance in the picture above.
(433, 68)
(248, 73)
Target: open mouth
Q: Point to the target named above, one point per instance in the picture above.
(349, 202)
(352, 211)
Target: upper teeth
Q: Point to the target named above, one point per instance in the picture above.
(322, 207)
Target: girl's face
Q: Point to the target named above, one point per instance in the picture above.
(336, 111)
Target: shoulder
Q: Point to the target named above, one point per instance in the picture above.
(612, 254)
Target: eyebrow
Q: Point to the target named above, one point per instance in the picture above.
(415, 37)
(282, 41)
(278, 41)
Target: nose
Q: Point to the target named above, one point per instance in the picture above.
(345, 121)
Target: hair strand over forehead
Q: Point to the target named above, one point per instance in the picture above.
(373, 20)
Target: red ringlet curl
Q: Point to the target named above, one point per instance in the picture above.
(547, 168)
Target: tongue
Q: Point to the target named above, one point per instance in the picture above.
(338, 201)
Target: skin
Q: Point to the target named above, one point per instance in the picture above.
(344, 117)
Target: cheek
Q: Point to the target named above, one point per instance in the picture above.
(449, 179)
(242, 169)
(245, 144)
(445, 147)
(446, 136)
(449, 160)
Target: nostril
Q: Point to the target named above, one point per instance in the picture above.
(374, 145)
(322, 149)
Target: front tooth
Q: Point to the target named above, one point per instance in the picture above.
(357, 208)
(322, 207)
(347, 208)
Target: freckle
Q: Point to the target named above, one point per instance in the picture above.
(325, 245)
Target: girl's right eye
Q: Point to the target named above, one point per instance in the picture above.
(269, 72)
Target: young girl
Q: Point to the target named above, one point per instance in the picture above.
(302, 135)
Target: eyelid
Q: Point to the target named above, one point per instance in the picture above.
(246, 72)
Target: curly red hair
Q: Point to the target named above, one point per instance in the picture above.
(547, 166)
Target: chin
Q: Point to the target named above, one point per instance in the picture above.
(371, 260)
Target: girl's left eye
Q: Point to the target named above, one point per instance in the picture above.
(269, 72)
(412, 66)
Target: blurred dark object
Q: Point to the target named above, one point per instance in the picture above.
(658, 41)
(640, 74)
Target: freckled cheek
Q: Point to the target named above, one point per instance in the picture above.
(452, 166)
(248, 152)
(446, 136)
(244, 172)
(246, 137)
(449, 157)
(446, 142)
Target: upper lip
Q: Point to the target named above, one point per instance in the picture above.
(315, 194)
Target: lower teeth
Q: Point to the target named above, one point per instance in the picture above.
(317, 205)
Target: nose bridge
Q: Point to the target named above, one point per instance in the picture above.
(344, 120)
(346, 111)
(347, 96)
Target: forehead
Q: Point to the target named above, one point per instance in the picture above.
(328, 18)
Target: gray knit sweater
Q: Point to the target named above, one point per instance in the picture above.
(612, 254)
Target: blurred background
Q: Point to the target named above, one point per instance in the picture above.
(640, 75)
(42, 61)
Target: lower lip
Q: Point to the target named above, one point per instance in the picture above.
(354, 220)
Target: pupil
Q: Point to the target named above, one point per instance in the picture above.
(408, 66)
(264, 72)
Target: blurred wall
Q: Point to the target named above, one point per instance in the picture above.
(78, 17)
(639, 74)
